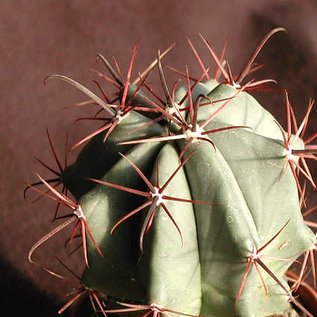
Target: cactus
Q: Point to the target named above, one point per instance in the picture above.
(188, 204)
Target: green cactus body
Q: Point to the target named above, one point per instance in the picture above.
(210, 231)
(242, 178)
(248, 194)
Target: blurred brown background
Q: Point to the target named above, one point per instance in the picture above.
(39, 38)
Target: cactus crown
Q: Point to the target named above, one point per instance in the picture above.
(189, 203)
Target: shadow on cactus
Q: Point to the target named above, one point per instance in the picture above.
(188, 202)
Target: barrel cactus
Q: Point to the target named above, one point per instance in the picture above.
(188, 204)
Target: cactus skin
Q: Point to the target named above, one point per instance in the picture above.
(97, 157)
(227, 251)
